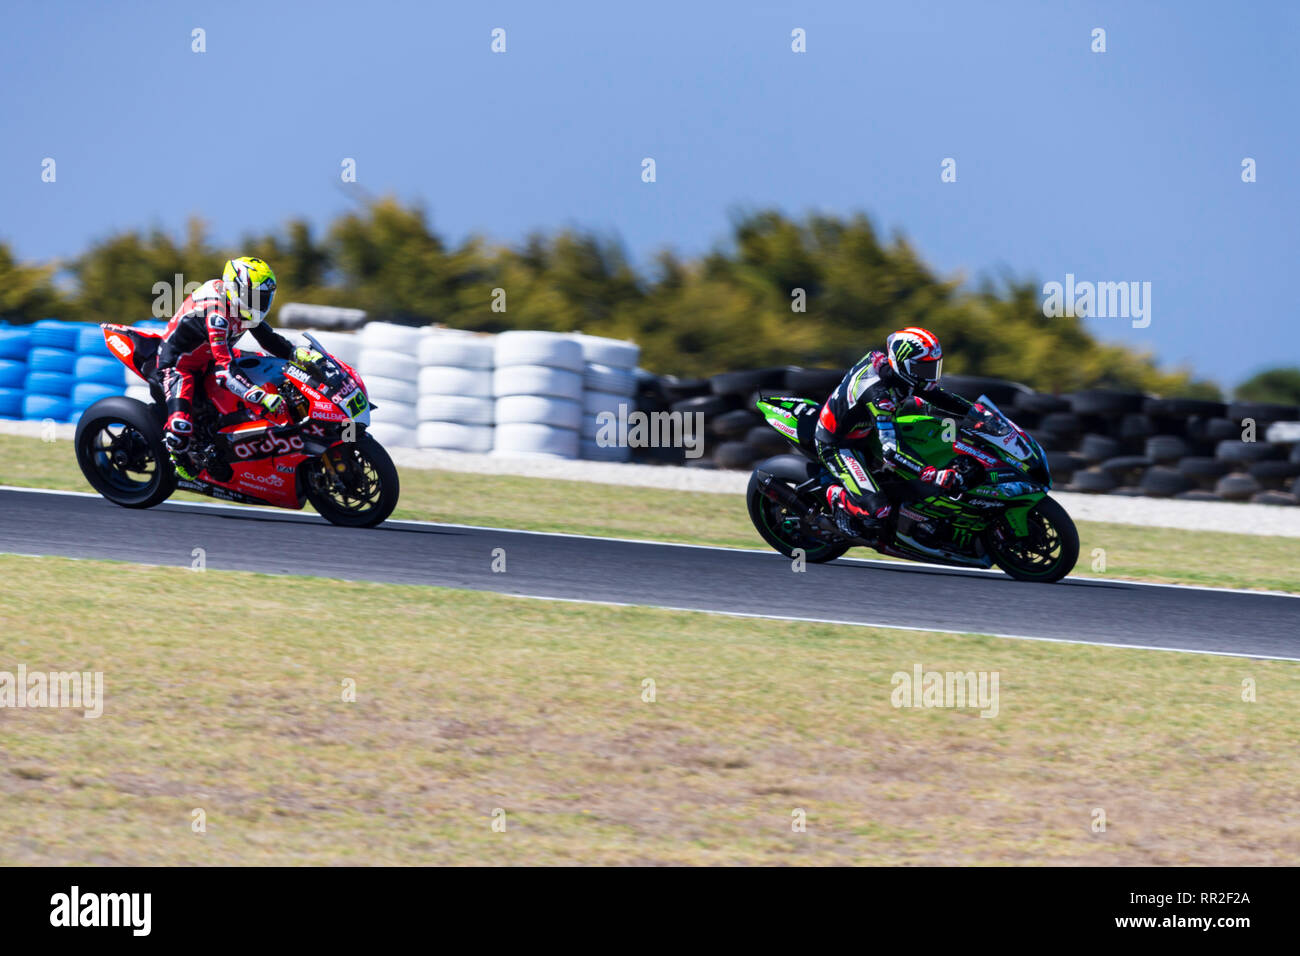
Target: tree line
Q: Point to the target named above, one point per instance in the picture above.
(814, 292)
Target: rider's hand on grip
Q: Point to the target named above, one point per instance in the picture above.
(949, 479)
(305, 356)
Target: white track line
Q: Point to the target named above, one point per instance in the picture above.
(867, 562)
(796, 619)
(907, 627)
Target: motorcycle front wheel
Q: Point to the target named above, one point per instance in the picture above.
(1048, 553)
(353, 484)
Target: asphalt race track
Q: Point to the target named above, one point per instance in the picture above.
(632, 572)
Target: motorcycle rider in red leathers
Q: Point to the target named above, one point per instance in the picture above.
(202, 333)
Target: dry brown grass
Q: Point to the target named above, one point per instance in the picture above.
(468, 702)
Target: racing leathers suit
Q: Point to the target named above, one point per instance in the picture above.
(870, 396)
(200, 334)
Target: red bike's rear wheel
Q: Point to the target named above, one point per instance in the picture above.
(120, 450)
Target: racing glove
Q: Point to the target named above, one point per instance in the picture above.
(305, 356)
(272, 403)
(949, 479)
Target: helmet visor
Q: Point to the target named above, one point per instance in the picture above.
(928, 371)
(258, 301)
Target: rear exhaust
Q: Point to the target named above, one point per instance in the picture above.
(780, 492)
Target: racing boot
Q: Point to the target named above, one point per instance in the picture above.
(178, 450)
(177, 441)
(182, 465)
(852, 521)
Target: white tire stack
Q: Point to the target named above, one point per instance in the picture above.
(608, 381)
(537, 385)
(455, 407)
(390, 367)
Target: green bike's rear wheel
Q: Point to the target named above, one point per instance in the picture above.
(783, 529)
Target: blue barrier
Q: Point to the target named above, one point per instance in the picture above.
(15, 344)
(45, 359)
(41, 407)
(12, 374)
(55, 369)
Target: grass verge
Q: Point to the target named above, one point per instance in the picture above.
(468, 703)
(1122, 551)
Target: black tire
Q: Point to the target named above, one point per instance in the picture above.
(1061, 423)
(736, 455)
(1222, 429)
(734, 423)
(744, 382)
(1123, 466)
(1135, 426)
(1261, 412)
(1092, 481)
(1237, 486)
(708, 405)
(1040, 404)
(1274, 470)
(814, 382)
(1051, 441)
(1204, 467)
(1165, 448)
(1051, 555)
(1161, 482)
(679, 389)
(119, 446)
(1097, 448)
(767, 440)
(1183, 407)
(1098, 401)
(768, 515)
(1064, 463)
(1003, 392)
(375, 488)
(1243, 451)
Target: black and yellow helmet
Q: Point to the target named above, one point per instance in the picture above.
(250, 287)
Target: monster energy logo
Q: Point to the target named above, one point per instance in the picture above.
(903, 349)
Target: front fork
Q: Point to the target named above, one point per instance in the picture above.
(337, 467)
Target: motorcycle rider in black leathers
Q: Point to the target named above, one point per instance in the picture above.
(881, 386)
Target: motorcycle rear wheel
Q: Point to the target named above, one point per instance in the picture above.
(778, 527)
(120, 450)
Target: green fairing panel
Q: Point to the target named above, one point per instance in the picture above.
(783, 414)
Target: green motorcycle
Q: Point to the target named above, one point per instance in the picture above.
(1003, 517)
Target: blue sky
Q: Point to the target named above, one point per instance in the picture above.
(1115, 166)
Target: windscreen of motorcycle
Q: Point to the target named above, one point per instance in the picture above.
(1003, 434)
